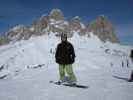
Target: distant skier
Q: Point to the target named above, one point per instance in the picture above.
(131, 77)
(65, 57)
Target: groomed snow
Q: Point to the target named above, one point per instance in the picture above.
(98, 65)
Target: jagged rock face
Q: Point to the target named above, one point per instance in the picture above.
(75, 24)
(58, 27)
(56, 14)
(18, 33)
(103, 29)
(57, 23)
(39, 26)
(54, 22)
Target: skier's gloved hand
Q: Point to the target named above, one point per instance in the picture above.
(72, 58)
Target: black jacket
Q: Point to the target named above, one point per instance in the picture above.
(65, 53)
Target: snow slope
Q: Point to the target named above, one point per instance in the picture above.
(26, 67)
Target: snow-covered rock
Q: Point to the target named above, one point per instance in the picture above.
(56, 22)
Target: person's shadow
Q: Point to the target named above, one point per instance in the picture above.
(121, 78)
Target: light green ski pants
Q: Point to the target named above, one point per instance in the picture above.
(69, 70)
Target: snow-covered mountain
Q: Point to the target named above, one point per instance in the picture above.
(27, 66)
(56, 22)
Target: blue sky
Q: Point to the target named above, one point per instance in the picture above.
(120, 12)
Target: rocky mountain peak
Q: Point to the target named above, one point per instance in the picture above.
(76, 18)
(56, 14)
(55, 22)
(75, 24)
(103, 28)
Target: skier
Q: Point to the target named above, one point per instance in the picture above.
(65, 57)
(131, 77)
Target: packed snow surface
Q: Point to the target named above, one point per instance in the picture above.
(26, 67)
